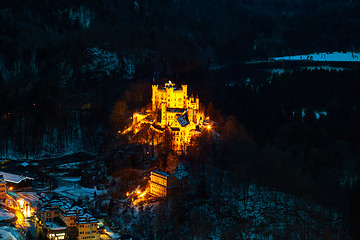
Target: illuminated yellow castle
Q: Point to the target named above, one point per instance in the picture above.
(180, 113)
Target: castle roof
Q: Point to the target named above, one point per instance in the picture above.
(195, 131)
(183, 120)
(178, 110)
(149, 119)
(157, 127)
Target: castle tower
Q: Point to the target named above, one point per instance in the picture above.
(153, 98)
(163, 114)
(185, 98)
(191, 114)
(170, 95)
(184, 87)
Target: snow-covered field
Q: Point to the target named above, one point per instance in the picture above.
(322, 57)
(76, 192)
(71, 179)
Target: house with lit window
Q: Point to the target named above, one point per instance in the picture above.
(17, 182)
(87, 227)
(162, 184)
(49, 215)
(48, 207)
(69, 214)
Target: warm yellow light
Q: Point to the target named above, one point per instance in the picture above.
(127, 194)
(209, 127)
(142, 195)
(119, 131)
(10, 188)
(21, 202)
(138, 192)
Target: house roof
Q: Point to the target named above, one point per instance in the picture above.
(51, 202)
(86, 218)
(52, 225)
(14, 178)
(71, 210)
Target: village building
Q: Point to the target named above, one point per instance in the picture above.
(176, 111)
(17, 182)
(87, 227)
(63, 220)
(49, 216)
(162, 184)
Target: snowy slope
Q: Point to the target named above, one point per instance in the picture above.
(322, 57)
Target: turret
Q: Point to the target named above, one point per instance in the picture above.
(184, 87)
(191, 114)
(170, 95)
(154, 92)
(163, 114)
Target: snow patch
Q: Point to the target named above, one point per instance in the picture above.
(328, 68)
(10, 233)
(78, 192)
(322, 57)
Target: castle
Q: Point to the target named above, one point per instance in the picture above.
(176, 111)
